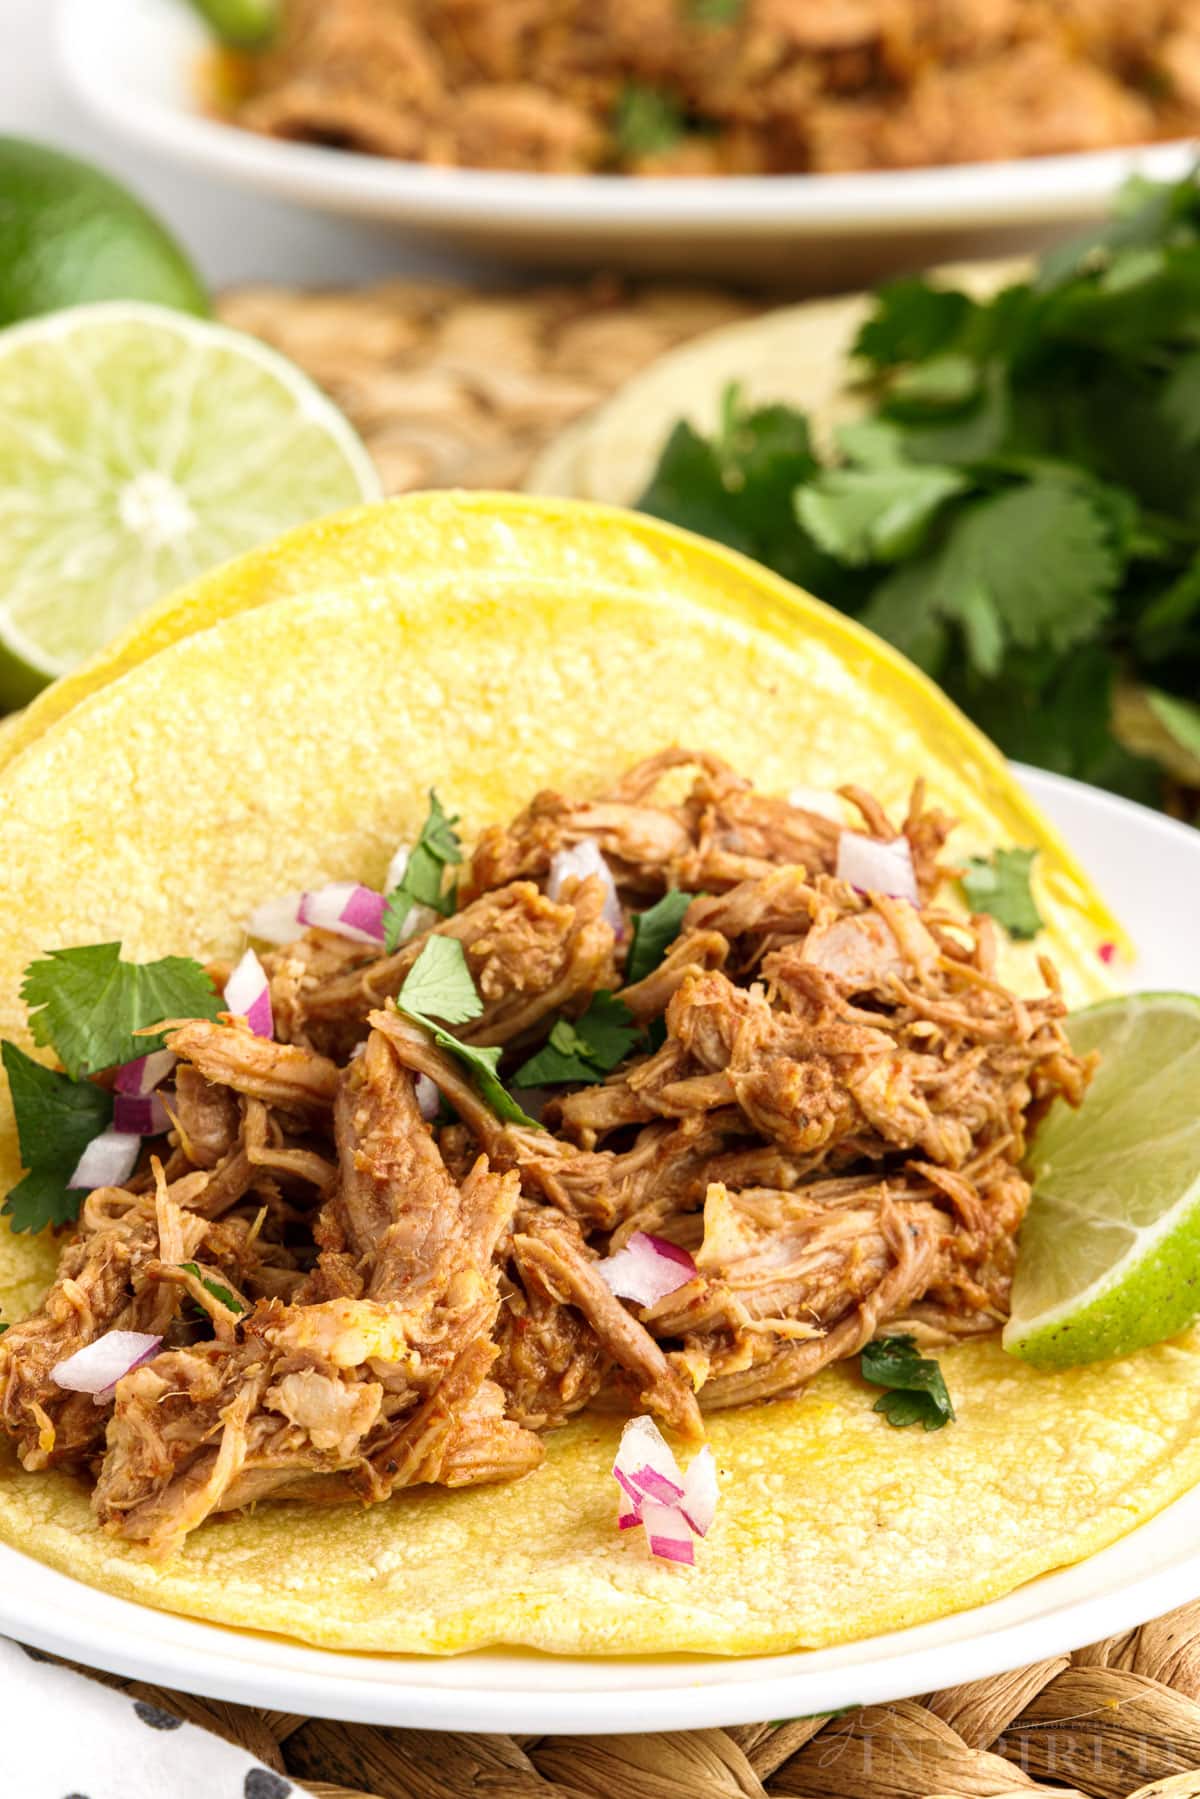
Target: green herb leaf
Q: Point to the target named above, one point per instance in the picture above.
(912, 321)
(1179, 718)
(437, 848)
(875, 515)
(646, 121)
(917, 1392)
(88, 1005)
(220, 1293)
(715, 12)
(439, 986)
(56, 1120)
(654, 931)
(1000, 886)
(586, 1050)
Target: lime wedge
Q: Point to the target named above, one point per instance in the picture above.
(1110, 1250)
(140, 447)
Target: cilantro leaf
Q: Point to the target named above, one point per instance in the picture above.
(646, 121)
(654, 931)
(715, 12)
(88, 1005)
(437, 848)
(586, 1050)
(56, 1120)
(999, 885)
(917, 1392)
(1180, 719)
(875, 515)
(220, 1293)
(439, 983)
(912, 320)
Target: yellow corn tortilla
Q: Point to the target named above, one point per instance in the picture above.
(490, 647)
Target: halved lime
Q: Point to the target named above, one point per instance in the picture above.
(1110, 1250)
(140, 447)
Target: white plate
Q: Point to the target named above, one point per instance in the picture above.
(133, 62)
(1149, 868)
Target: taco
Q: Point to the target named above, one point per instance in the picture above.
(455, 1068)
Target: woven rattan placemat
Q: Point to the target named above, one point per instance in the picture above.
(451, 387)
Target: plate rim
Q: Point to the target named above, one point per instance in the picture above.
(683, 1692)
(1030, 190)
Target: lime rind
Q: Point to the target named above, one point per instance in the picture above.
(1110, 1251)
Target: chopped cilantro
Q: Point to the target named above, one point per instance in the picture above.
(583, 1051)
(999, 885)
(917, 1392)
(56, 1120)
(439, 986)
(715, 12)
(88, 1005)
(646, 121)
(437, 848)
(654, 931)
(221, 1294)
(1017, 508)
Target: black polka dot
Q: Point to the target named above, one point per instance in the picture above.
(155, 1717)
(262, 1785)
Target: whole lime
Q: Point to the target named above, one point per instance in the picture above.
(70, 234)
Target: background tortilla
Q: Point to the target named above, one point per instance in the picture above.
(491, 647)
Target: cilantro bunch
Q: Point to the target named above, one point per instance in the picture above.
(1019, 508)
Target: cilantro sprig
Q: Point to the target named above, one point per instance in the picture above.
(439, 987)
(222, 1294)
(56, 1120)
(646, 121)
(999, 884)
(423, 883)
(583, 1050)
(654, 931)
(89, 1006)
(916, 1389)
(1017, 511)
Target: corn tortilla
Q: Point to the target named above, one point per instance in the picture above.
(282, 743)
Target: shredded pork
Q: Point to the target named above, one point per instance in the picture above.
(828, 1108)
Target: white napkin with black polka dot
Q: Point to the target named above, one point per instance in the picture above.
(66, 1737)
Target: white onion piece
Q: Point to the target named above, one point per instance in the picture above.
(397, 868)
(668, 1534)
(819, 800)
(108, 1161)
(98, 1366)
(874, 867)
(277, 920)
(700, 1492)
(647, 1269)
(248, 995)
(429, 1100)
(142, 1115)
(143, 1076)
(346, 908)
(576, 865)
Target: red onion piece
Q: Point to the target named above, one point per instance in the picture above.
(668, 1534)
(645, 1467)
(700, 1492)
(429, 1100)
(143, 1076)
(248, 995)
(144, 1115)
(647, 1269)
(1107, 953)
(576, 865)
(108, 1161)
(98, 1366)
(874, 867)
(346, 908)
(277, 920)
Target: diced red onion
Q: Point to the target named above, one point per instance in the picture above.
(874, 867)
(668, 1534)
(277, 920)
(108, 1161)
(429, 1100)
(647, 1269)
(819, 800)
(1107, 953)
(645, 1466)
(248, 995)
(576, 865)
(346, 907)
(148, 1072)
(700, 1492)
(143, 1115)
(98, 1366)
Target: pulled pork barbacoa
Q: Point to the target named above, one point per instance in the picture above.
(823, 1106)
